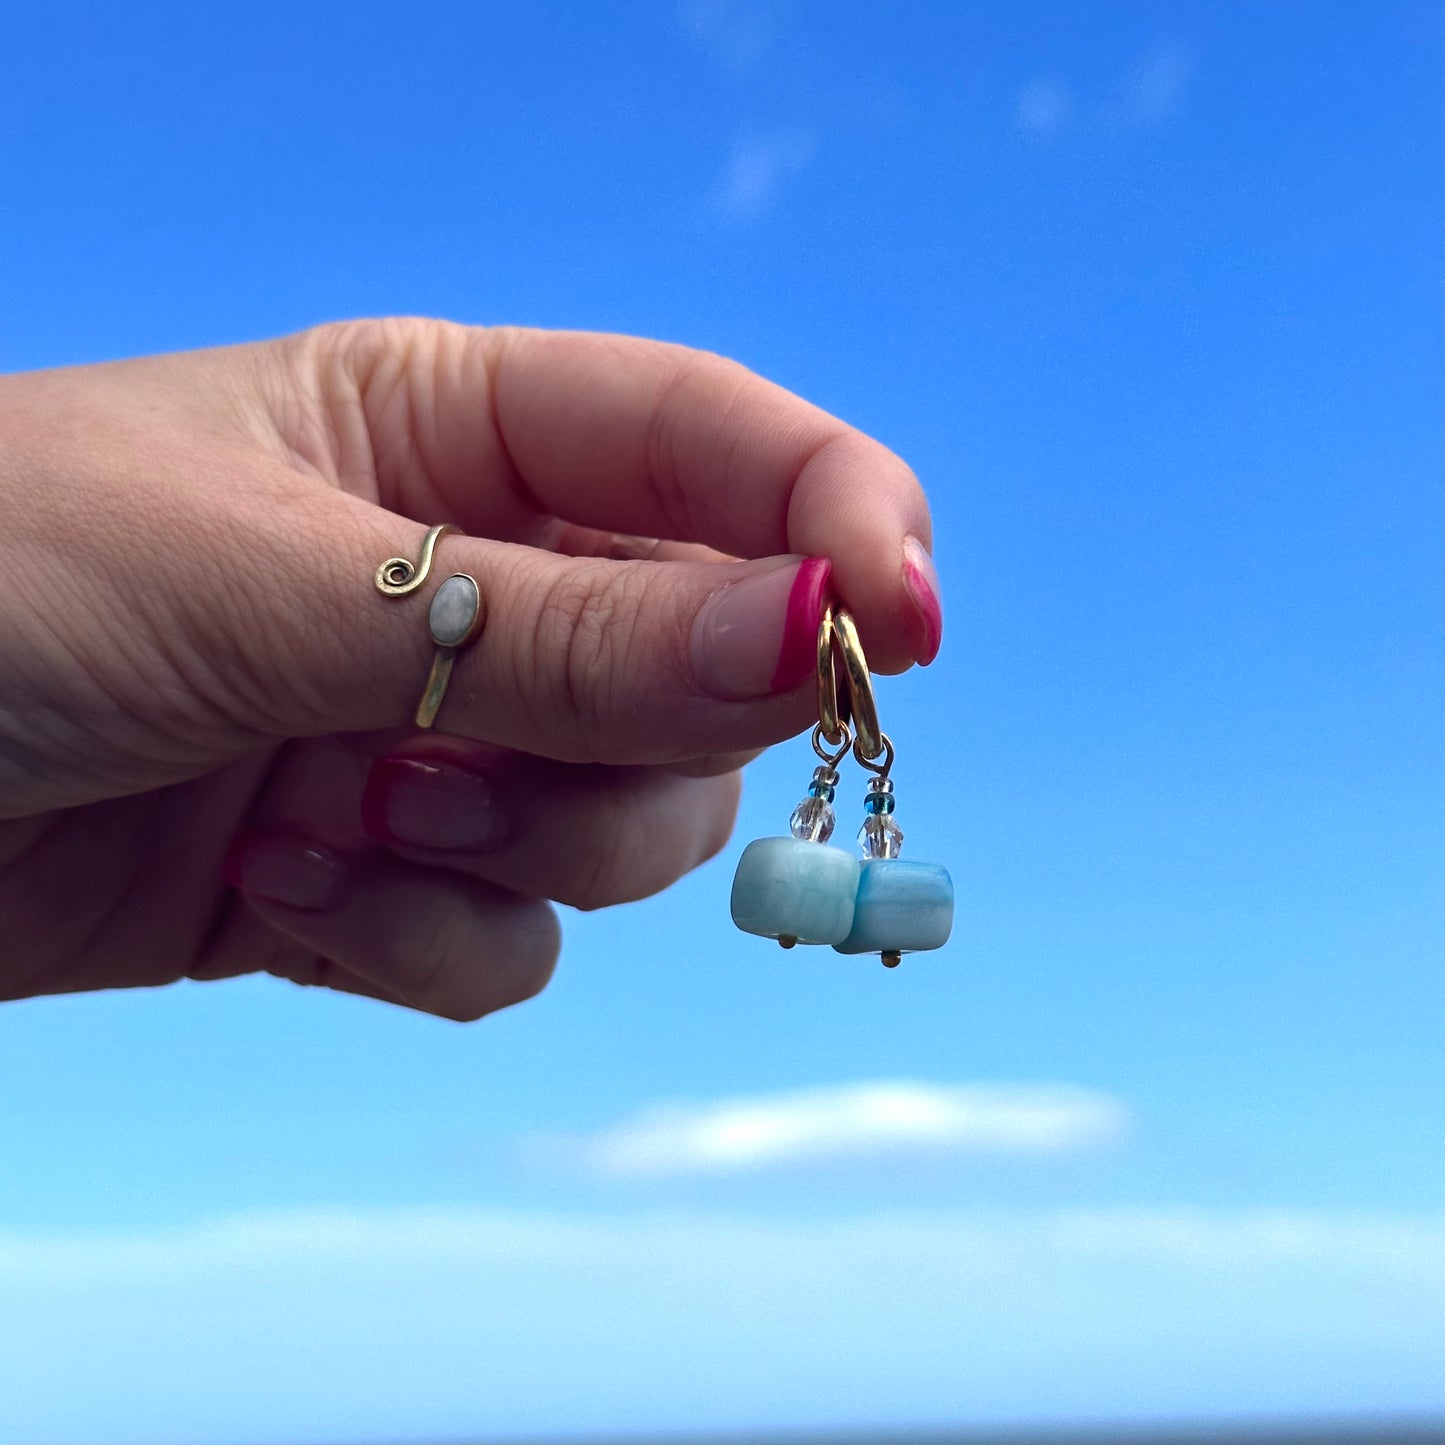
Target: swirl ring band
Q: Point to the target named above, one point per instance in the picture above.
(454, 619)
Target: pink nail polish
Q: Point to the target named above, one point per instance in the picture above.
(430, 803)
(757, 634)
(287, 870)
(798, 654)
(920, 578)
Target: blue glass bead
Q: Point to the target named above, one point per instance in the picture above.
(902, 907)
(791, 888)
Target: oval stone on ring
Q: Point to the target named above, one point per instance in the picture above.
(456, 611)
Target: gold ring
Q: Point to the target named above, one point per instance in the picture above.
(399, 576)
(454, 618)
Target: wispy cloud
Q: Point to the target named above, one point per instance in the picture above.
(1152, 93)
(1406, 1244)
(1156, 88)
(756, 171)
(1043, 107)
(852, 1121)
(739, 34)
(431, 1323)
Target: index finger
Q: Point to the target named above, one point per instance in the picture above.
(639, 436)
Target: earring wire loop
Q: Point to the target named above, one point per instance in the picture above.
(820, 737)
(873, 766)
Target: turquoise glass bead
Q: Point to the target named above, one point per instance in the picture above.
(902, 907)
(793, 888)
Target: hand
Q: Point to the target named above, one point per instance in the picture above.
(206, 763)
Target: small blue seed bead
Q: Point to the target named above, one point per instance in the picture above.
(879, 803)
(821, 790)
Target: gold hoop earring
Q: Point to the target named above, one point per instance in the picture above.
(800, 890)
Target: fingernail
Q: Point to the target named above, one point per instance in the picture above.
(758, 635)
(285, 869)
(427, 803)
(920, 577)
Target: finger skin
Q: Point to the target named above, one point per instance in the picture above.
(124, 893)
(443, 943)
(574, 541)
(585, 836)
(590, 837)
(716, 765)
(241, 942)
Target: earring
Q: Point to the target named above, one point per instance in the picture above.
(798, 889)
(901, 906)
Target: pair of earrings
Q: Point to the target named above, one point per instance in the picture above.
(798, 889)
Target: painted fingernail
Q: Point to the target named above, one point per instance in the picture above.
(428, 803)
(285, 869)
(920, 577)
(758, 635)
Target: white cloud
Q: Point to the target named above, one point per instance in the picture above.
(756, 171)
(851, 1121)
(464, 1322)
(388, 1240)
(1043, 107)
(1395, 1245)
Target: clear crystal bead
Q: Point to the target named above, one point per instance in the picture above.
(812, 821)
(880, 837)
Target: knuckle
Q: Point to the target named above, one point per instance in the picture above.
(582, 647)
(723, 385)
(357, 345)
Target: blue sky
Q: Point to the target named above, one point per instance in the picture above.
(1149, 295)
